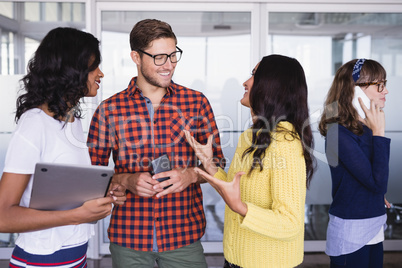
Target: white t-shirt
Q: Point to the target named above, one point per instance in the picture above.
(40, 138)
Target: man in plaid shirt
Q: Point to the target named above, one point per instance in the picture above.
(160, 221)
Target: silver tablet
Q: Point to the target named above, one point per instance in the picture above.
(63, 186)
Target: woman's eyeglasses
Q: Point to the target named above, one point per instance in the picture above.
(380, 85)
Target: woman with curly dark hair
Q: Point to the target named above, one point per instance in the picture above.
(264, 217)
(358, 157)
(58, 73)
(64, 68)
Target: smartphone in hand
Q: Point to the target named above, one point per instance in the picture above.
(360, 93)
(161, 164)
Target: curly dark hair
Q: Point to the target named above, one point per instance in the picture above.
(57, 74)
(279, 93)
(338, 107)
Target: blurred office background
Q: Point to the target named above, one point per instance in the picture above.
(222, 41)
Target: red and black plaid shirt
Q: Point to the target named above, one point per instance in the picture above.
(122, 124)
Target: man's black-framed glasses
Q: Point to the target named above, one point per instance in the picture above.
(380, 85)
(161, 59)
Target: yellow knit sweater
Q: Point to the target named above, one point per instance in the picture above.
(272, 232)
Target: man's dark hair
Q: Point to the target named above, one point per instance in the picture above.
(148, 30)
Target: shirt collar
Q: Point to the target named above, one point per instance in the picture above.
(134, 89)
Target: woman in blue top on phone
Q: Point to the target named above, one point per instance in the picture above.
(358, 156)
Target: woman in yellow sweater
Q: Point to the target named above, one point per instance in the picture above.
(264, 216)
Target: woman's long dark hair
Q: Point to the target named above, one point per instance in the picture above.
(58, 72)
(279, 93)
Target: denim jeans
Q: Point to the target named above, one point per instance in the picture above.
(369, 256)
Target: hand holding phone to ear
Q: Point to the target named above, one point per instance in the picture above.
(375, 118)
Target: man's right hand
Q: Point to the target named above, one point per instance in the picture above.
(139, 183)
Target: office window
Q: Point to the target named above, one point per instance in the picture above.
(6, 9)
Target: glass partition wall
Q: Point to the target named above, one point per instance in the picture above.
(222, 42)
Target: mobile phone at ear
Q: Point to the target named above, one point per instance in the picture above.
(366, 101)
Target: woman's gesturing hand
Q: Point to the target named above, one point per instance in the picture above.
(230, 191)
(203, 152)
